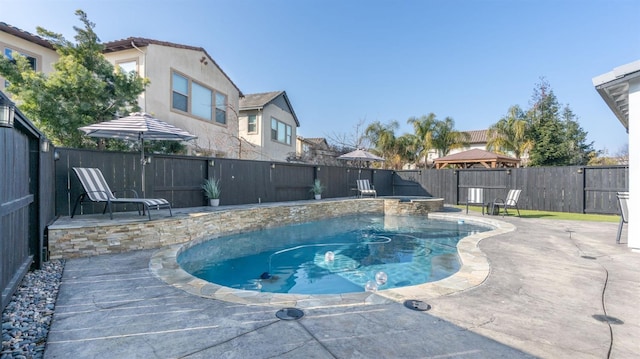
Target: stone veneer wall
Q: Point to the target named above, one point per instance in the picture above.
(76, 241)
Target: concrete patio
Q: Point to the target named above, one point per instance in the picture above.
(556, 289)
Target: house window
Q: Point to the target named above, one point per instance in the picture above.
(280, 131)
(196, 99)
(9, 54)
(128, 66)
(201, 102)
(180, 94)
(221, 108)
(253, 124)
(32, 60)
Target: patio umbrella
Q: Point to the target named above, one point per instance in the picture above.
(138, 126)
(360, 156)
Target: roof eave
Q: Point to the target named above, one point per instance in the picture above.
(613, 87)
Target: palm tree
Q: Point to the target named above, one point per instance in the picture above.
(383, 137)
(423, 128)
(510, 134)
(444, 137)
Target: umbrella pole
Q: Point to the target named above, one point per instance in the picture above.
(143, 162)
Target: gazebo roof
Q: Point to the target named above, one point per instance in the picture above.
(476, 156)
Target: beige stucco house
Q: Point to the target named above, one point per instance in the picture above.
(188, 90)
(269, 125)
(620, 90)
(187, 87)
(37, 50)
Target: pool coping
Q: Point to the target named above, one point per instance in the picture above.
(474, 270)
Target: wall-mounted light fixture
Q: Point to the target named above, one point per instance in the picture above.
(212, 163)
(273, 166)
(348, 170)
(580, 170)
(56, 155)
(508, 171)
(318, 169)
(455, 172)
(44, 145)
(7, 113)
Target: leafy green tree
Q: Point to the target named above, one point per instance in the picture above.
(510, 135)
(83, 89)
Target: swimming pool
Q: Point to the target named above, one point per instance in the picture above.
(340, 255)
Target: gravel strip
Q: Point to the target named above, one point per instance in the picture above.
(26, 319)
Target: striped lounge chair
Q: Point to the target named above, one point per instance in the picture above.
(365, 188)
(96, 189)
(511, 201)
(623, 199)
(475, 196)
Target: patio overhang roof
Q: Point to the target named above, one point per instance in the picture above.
(613, 86)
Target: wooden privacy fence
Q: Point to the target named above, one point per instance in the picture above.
(178, 179)
(26, 201)
(574, 189)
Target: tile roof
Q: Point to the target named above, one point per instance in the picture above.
(4, 27)
(477, 136)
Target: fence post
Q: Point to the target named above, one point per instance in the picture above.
(582, 172)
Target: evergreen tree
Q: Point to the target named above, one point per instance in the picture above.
(547, 129)
(578, 150)
(83, 89)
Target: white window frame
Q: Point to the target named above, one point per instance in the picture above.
(279, 127)
(255, 124)
(218, 114)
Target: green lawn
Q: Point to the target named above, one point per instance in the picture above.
(524, 213)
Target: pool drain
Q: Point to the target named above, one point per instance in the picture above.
(289, 314)
(417, 305)
(588, 257)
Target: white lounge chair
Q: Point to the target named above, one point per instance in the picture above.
(365, 188)
(475, 196)
(96, 189)
(512, 201)
(623, 198)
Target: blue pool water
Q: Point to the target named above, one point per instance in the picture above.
(340, 255)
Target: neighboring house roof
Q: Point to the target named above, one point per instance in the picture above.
(128, 43)
(477, 136)
(469, 158)
(258, 101)
(319, 142)
(4, 27)
(614, 89)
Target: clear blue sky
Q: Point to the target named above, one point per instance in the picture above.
(344, 61)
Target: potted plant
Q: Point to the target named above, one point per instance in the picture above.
(317, 189)
(211, 189)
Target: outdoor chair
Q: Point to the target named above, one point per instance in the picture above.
(96, 189)
(365, 188)
(475, 196)
(623, 198)
(510, 202)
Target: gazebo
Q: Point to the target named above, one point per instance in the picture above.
(476, 157)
